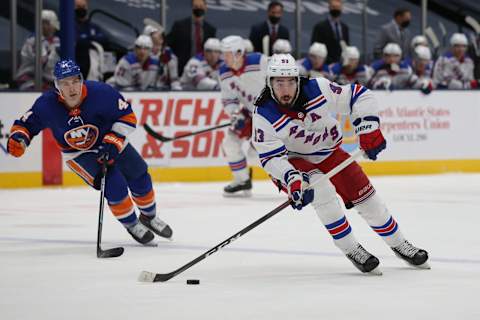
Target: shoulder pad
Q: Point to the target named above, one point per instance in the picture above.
(253, 58)
(131, 58)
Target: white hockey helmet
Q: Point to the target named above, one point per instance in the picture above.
(350, 53)
(51, 17)
(144, 41)
(212, 44)
(318, 49)
(419, 41)
(281, 46)
(393, 49)
(458, 39)
(423, 53)
(149, 29)
(282, 65)
(248, 45)
(233, 44)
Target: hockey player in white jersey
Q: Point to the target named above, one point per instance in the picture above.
(422, 66)
(50, 48)
(298, 139)
(282, 46)
(350, 70)
(314, 65)
(454, 70)
(201, 71)
(242, 77)
(168, 62)
(390, 72)
(137, 70)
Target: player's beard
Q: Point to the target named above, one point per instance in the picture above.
(285, 101)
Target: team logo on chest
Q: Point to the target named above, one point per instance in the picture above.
(82, 137)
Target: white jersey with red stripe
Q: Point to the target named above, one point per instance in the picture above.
(199, 75)
(309, 130)
(241, 87)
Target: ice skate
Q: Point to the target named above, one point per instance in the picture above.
(363, 260)
(156, 225)
(412, 255)
(238, 189)
(140, 233)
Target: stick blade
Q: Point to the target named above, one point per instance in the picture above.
(110, 253)
(147, 276)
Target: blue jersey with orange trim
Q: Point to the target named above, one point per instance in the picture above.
(311, 132)
(102, 109)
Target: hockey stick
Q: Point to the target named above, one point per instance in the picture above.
(146, 276)
(109, 253)
(158, 136)
(473, 23)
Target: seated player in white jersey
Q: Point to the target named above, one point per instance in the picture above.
(137, 70)
(455, 69)
(90, 122)
(298, 139)
(201, 71)
(282, 46)
(242, 78)
(390, 72)
(314, 65)
(350, 70)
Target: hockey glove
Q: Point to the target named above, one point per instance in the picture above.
(242, 123)
(372, 143)
(238, 121)
(426, 87)
(17, 144)
(110, 148)
(297, 184)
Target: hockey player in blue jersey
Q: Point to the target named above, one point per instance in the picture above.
(297, 137)
(90, 122)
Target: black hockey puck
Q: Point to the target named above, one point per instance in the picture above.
(193, 281)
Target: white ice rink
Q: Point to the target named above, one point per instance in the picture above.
(286, 268)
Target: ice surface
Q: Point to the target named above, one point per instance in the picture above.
(286, 268)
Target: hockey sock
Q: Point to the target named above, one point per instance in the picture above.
(124, 211)
(143, 194)
(146, 203)
(240, 170)
(331, 214)
(374, 211)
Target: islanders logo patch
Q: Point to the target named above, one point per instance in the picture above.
(82, 137)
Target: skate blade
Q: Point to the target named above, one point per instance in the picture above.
(375, 272)
(239, 194)
(152, 243)
(424, 266)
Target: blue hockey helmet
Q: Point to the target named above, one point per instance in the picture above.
(66, 68)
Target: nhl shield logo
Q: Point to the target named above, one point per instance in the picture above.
(82, 137)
